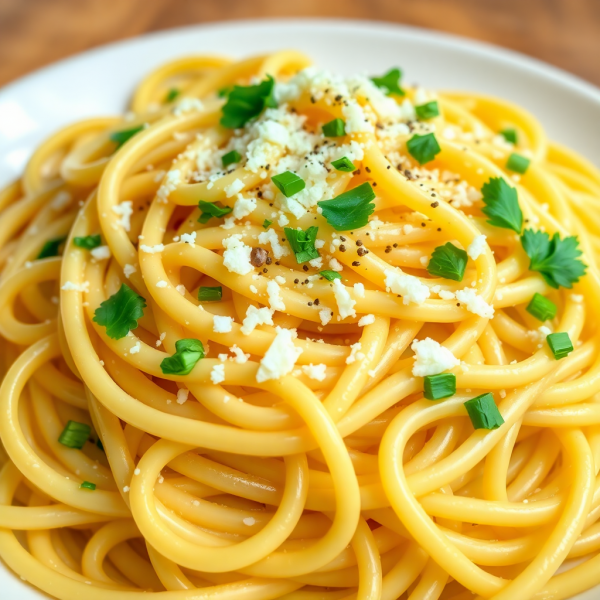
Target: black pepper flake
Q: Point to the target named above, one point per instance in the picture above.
(269, 260)
(458, 304)
(338, 97)
(374, 184)
(435, 204)
(342, 248)
(388, 167)
(310, 303)
(265, 270)
(439, 228)
(359, 242)
(258, 257)
(422, 224)
(277, 262)
(342, 238)
(395, 245)
(357, 172)
(296, 281)
(312, 99)
(317, 302)
(304, 267)
(367, 169)
(388, 249)
(362, 251)
(356, 263)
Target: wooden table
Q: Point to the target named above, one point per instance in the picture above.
(34, 33)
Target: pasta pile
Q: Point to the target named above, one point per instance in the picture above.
(279, 333)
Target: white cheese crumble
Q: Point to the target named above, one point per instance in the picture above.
(270, 237)
(275, 299)
(325, 315)
(222, 324)
(182, 395)
(124, 210)
(249, 521)
(189, 238)
(431, 358)
(217, 374)
(335, 265)
(280, 358)
(156, 249)
(236, 257)
(446, 295)
(408, 286)
(181, 289)
(69, 286)
(187, 105)
(256, 316)
(355, 353)
(129, 270)
(475, 303)
(243, 206)
(477, 247)
(135, 349)
(318, 372)
(344, 302)
(172, 180)
(577, 298)
(100, 252)
(239, 356)
(234, 188)
(366, 320)
(359, 290)
(161, 284)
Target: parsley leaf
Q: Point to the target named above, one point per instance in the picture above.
(89, 242)
(210, 210)
(423, 148)
(188, 352)
(246, 102)
(303, 243)
(51, 247)
(557, 260)
(330, 275)
(429, 110)
(351, 209)
(390, 82)
(448, 261)
(501, 204)
(120, 137)
(120, 313)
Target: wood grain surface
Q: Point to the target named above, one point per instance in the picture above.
(34, 33)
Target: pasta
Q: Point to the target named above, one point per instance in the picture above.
(225, 313)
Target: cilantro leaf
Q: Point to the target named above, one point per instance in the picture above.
(246, 102)
(501, 204)
(557, 260)
(120, 137)
(210, 210)
(423, 148)
(120, 313)
(448, 261)
(188, 352)
(303, 243)
(351, 209)
(51, 247)
(390, 82)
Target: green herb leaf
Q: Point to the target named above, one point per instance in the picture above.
(483, 412)
(89, 242)
(210, 210)
(100, 445)
(120, 313)
(517, 163)
(541, 308)
(557, 260)
(448, 261)
(423, 148)
(75, 435)
(303, 243)
(267, 224)
(330, 275)
(351, 209)
(86, 485)
(246, 102)
(51, 247)
(501, 204)
(509, 134)
(224, 91)
(171, 95)
(231, 158)
(390, 82)
(560, 344)
(335, 128)
(288, 183)
(188, 353)
(120, 137)
(429, 110)
(210, 294)
(343, 164)
(436, 387)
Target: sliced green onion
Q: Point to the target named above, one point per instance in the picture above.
(517, 163)
(86, 485)
(429, 110)
(288, 183)
(509, 134)
(423, 148)
(188, 353)
(541, 308)
(483, 412)
(120, 137)
(89, 242)
(560, 344)
(330, 275)
(343, 164)
(210, 294)
(171, 95)
(231, 158)
(335, 128)
(448, 261)
(267, 224)
(51, 247)
(75, 435)
(436, 387)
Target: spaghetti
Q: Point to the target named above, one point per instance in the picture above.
(279, 333)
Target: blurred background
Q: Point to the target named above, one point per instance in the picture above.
(34, 33)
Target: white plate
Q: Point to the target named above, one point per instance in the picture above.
(99, 82)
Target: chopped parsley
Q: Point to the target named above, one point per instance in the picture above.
(52, 247)
(210, 210)
(448, 261)
(555, 259)
(231, 158)
(247, 102)
(120, 313)
(501, 204)
(335, 128)
(343, 164)
(120, 137)
(351, 209)
(330, 275)
(187, 353)
(429, 110)
(509, 134)
(390, 82)
(303, 243)
(89, 242)
(423, 148)
(267, 224)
